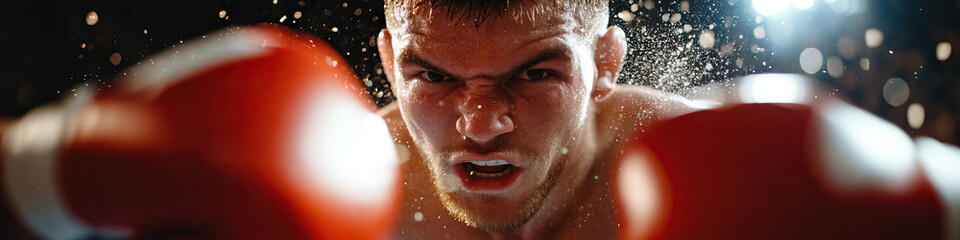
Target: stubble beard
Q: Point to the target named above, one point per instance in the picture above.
(457, 205)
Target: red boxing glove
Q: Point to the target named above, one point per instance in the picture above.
(250, 133)
(801, 170)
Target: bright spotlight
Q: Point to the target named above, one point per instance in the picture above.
(802, 4)
(770, 7)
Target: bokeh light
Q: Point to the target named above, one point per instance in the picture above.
(915, 115)
(770, 7)
(896, 91)
(811, 60)
(944, 49)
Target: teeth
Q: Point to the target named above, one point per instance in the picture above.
(496, 162)
(490, 175)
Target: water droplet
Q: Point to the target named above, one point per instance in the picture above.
(865, 64)
(759, 33)
(915, 115)
(223, 14)
(675, 18)
(418, 216)
(284, 17)
(707, 40)
(563, 151)
(115, 58)
(334, 29)
(873, 37)
(835, 67)
(811, 60)
(943, 51)
(626, 16)
(297, 14)
(92, 18)
(331, 62)
(896, 91)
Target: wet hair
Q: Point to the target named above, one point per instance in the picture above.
(480, 11)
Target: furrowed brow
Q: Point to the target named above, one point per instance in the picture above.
(408, 57)
(549, 54)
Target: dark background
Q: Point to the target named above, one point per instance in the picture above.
(47, 48)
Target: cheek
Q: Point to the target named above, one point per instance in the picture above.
(426, 111)
(553, 106)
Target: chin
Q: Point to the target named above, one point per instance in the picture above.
(500, 211)
(491, 213)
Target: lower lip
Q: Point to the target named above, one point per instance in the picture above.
(472, 183)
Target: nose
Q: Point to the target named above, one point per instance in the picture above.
(484, 111)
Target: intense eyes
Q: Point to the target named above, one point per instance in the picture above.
(533, 75)
(527, 75)
(433, 76)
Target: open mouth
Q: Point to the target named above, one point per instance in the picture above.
(487, 175)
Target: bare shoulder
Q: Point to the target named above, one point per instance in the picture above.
(631, 108)
(652, 103)
(398, 128)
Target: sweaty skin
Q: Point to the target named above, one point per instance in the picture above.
(466, 90)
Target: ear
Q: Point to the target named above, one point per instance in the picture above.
(385, 46)
(611, 49)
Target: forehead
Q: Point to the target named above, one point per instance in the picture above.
(415, 24)
(432, 33)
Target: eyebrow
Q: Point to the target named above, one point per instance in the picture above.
(407, 56)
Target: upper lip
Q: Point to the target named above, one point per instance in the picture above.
(467, 157)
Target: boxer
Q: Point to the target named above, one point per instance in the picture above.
(512, 122)
(510, 117)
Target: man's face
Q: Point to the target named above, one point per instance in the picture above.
(513, 94)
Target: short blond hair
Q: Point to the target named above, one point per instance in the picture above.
(480, 11)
